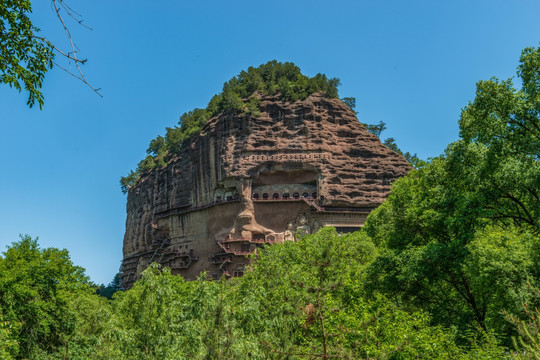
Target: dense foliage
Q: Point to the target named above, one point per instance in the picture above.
(300, 300)
(239, 95)
(36, 286)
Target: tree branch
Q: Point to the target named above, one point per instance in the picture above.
(79, 78)
(522, 206)
(60, 51)
(74, 50)
(73, 14)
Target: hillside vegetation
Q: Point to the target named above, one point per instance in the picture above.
(448, 267)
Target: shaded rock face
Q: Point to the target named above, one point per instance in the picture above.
(248, 181)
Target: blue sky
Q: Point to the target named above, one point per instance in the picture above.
(411, 64)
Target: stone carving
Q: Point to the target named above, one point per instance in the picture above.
(303, 228)
(288, 234)
(198, 213)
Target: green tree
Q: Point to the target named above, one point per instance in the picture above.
(376, 129)
(299, 300)
(9, 346)
(351, 103)
(126, 182)
(441, 256)
(527, 343)
(501, 128)
(412, 159)
(145, 315)
(313, 305)
(156, 146)
(25, 57)
(114, 286)
(34, 290)
(95, 330)
(460, 234)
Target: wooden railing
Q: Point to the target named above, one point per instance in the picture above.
(179, 210)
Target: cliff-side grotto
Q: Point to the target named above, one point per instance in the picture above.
(246, 181)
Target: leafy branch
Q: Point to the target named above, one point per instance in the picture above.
(25, 56)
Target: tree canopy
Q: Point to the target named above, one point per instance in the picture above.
(299, 300)
(35, 286)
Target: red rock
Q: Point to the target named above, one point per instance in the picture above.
(201, 212)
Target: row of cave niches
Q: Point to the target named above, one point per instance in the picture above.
(284, 196)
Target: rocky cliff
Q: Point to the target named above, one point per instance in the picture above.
(246, 181)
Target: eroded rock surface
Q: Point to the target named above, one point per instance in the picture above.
(248, 181)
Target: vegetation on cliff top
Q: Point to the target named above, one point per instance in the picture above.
(272, 78)
(239, 96)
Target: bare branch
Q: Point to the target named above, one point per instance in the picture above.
(60, 51)
(72, 55)
(73, 14)
(81, 79)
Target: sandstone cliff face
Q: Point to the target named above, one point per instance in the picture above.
(248, 181)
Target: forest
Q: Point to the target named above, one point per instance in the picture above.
(448, 267)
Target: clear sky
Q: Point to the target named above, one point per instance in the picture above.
(411, 64)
